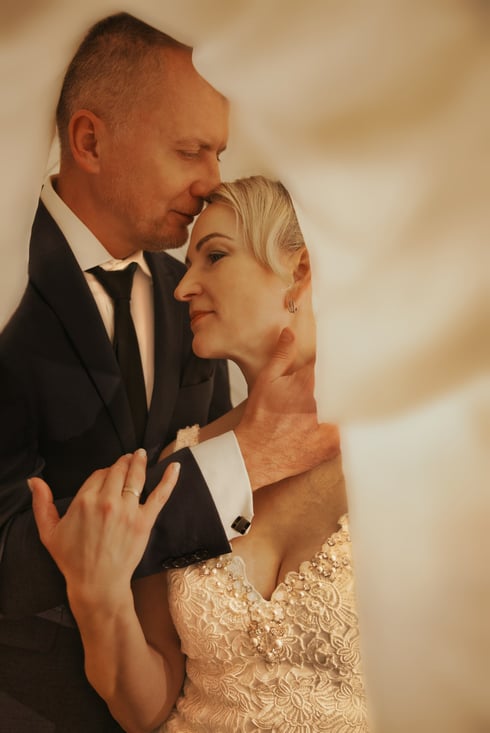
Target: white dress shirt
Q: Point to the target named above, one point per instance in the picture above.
(219, 459)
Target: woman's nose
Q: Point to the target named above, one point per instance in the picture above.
(187, 287)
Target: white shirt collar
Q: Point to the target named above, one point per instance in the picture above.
(87, 249)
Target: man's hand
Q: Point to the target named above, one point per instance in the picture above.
(98, 543)
(279, 434)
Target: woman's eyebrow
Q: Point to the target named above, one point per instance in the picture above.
(207, 237)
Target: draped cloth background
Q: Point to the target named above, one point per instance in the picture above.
(377, 118)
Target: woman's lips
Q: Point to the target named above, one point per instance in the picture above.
(197, 315)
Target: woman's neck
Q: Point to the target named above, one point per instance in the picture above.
(251, 368)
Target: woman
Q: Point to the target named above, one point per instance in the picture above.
(267, 635)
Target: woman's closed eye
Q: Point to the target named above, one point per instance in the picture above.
(215, 256)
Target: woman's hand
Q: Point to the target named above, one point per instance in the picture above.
(98, 543)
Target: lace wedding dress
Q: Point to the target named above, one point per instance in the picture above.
(286, 664)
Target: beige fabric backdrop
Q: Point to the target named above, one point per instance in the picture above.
(377, 117)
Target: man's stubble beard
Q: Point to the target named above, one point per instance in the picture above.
(149, 236)
(162, 241)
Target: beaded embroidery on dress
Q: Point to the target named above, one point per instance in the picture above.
(291, 663)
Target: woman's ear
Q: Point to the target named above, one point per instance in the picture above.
(84, 133)
(301, 272)
(301, 280)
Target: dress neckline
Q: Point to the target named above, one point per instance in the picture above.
(265, 619)
(291, 575)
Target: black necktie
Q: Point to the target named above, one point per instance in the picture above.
(117, 284)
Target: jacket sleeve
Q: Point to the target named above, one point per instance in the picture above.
(29, 578)
(188, 529)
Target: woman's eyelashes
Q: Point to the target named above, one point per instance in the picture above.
(215, 256)
(210, 257)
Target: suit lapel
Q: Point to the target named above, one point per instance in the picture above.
(168, 348)
(54, 272)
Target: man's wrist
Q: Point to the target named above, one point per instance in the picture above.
(258, 470)
(221, 463)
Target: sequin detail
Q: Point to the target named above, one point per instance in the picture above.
(266, 627)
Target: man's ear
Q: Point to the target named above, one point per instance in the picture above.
(84, 133)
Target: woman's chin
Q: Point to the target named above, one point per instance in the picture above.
(205, 351)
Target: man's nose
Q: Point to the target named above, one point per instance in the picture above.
(207, 182)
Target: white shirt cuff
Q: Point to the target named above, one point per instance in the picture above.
(222, 465)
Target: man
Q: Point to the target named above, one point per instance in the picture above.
(140, 134)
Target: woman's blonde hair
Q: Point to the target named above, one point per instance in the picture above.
(266, 218)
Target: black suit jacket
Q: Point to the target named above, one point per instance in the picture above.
(64, 413)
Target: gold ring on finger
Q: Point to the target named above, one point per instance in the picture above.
(129, 490)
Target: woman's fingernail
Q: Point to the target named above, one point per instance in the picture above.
(29, 484)
(141, 452)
